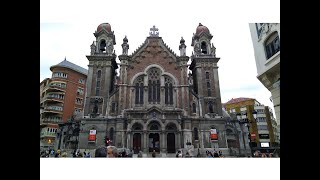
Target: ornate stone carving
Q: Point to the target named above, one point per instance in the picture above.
(153, 32)
(109, 46)
(197, 48)
(93, 48)
(182, 47)
(125, 46)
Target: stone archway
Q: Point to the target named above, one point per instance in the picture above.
(137, 130)
(171, 130)
(136, 143)
(171, 143)
(154, 136)
(154, 142)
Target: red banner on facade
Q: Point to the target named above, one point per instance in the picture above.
(213, 134)
(92, 135)
(253, 135)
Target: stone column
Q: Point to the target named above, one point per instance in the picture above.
(178, 134)
(145, 148)
(131, 96)
(163, 142)
(162, 92)
(145, 92)
(129, 144)
(145, 97)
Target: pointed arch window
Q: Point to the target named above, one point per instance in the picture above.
(139, 90)
(168, 89)
(154, 85)
(194, 108)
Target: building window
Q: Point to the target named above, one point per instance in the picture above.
(168, 90)
(60, 74)
(79, 101)
(272, 45)
(55, 108)
(209, 89)
(81, 81)
(80, 91)
(139, 90)
(261, 119)
(58, 84)
(260, 111)
(196, 135)
(56, 96)
(262, 127)
(258, 28)
(113, 107)
(194, 108)
(111, 134)
(98, 82)
(154, 127)
(207, 75)
(98, 88)
(204, 48)
(77, 110)
(99, 74)
(210, 104)
(154, 85)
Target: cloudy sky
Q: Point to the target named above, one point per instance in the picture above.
(67, 27)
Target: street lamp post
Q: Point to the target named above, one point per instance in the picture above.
(246, 122)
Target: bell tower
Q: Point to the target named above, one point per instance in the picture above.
(205, 72)
(101, 73)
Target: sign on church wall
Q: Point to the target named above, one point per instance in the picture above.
(213, 134)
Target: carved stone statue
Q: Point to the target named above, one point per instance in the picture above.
(109, 47)
(93, 48)
(213, 50)
(197, 48)
(182, 47)
(125, 46)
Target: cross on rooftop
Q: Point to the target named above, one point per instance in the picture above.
(153, 32)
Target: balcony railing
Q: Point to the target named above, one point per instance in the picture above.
(53, 98)
(51, 120)
(261, 115)
(55, 87)
(54, 108)
(46, 134)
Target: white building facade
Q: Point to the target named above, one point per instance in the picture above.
(266, 44)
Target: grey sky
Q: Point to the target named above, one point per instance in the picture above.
(67, 29)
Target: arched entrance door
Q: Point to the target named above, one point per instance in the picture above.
(136, 142)
(171, 129)
(154, 142)
(171, 144)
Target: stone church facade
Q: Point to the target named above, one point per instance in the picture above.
(153, 103)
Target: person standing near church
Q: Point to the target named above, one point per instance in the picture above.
(154, 153)
(112, 152)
